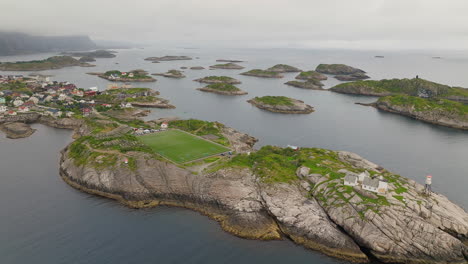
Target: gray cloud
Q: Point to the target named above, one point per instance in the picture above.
(368, 24)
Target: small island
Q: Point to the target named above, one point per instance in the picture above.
(310, 84)
(222, 88)
(311, 76)
(283, 68)
(87, 59)
(342, 72)
(281, 104)
(17, 130)
(131, 76)
(128, 97)
(197, 68)
(171, 74)
(218, 79)
(92, 54)
(167, 58)
(263, 73)
(227, 60)
(441, 112)
(227, 66)
(414, 87)
(52, 63)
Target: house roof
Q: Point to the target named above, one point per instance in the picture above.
(371, 182)
(350, 178)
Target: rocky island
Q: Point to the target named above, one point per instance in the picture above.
(316, 197)
(281, 104)
(342, 72)
(131, 76)
(414, 87)
(310, 84)
(218, 79)
(167, 58)
(222, 88)
(137, 97)
(52, 63)
(227, 66)
(263, 73)
(283, 68)
(311, 76)
(197, 68)
(16, 130)
(227, 60)
(441, 112)
(171, 74)
(93, 54)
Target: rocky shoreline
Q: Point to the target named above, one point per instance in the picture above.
(162, 103)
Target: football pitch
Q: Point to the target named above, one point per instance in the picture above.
(181, 147)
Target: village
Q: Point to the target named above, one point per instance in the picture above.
(20, 94)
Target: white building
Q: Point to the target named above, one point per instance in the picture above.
(3, 109)
(18, 102)
(350, 180)
(23, 109)
(164, 125)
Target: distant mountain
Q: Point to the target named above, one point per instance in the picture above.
(13, 43)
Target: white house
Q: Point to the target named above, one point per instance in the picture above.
(126, 105)
(131, 75)
(33, 99)
(164, 125)
(18, 102)
(3, 109)
(11, 112)
(94, 89)
(350, 180)
(370, 184)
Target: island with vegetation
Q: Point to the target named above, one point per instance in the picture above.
(222, 88)
(52, 63)
(342, 72)
(137, 97)
(131, 76)
(414, 87)
(168, 58)
(197, 68)
(441, 112)
(312, 196)
(227, 66)
(171, 74)
(311, 76)
(281, 104)
(228, 60)
(310, 84)
(283, 68)
(218, 79)
(263, 73)
(92, 54)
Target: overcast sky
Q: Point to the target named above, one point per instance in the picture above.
(365, 24)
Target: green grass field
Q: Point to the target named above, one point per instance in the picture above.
(181, 147)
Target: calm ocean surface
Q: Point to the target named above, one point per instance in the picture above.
(43, 220)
